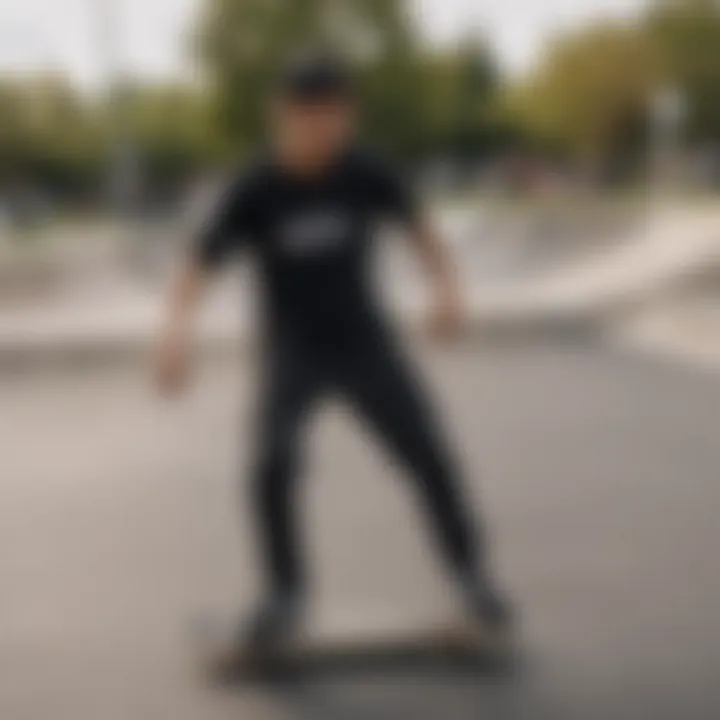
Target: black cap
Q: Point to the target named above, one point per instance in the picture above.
(314, 77)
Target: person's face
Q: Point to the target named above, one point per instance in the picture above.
(315, 132)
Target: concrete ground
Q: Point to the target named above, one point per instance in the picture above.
(598, 474)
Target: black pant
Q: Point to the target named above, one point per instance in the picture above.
(374, 378)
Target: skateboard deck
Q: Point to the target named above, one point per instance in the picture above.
(350, 647)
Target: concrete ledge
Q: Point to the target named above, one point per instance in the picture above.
(583, 299)
(29, 352)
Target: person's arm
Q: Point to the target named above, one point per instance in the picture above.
(172, 360)
(446, 313)
(398, 201)
(214, 244)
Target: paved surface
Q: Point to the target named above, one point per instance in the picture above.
(599, 474)
(684, 326)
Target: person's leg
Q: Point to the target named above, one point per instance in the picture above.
(293, 384)
(389, 397)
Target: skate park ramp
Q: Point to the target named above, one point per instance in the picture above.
(667, 248)
(516, 282)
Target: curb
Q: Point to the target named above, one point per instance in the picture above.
(32, 353)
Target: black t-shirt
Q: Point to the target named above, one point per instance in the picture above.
(312, 239)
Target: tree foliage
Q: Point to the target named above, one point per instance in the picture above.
(459, 91)
(48, 130)
(171, 132)
(591, 92)
(243, 42)
(588, 97)
(687, 38)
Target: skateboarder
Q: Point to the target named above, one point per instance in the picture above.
(308, 210)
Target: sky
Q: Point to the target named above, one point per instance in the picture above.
(148, 34)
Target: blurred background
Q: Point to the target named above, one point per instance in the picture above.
(571, 153)
(545, 136)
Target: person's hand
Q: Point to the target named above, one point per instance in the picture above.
(446, 320)
(171, 366)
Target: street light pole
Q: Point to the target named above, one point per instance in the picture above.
(120, 178)
(667, 117)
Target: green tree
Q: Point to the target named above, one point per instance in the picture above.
(460, 89)
(244, 41)
(687, 36)
(48, 133)
(590, 95)
(170, 130)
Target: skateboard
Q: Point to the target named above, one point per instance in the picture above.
(350, 647)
